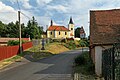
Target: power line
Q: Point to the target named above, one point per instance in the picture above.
(18, 5)
(25, 15)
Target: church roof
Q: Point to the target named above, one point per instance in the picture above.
(71, 21)
(57, 28)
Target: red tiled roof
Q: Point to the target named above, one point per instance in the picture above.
(57, 28)
(7, 39)
(104, 26)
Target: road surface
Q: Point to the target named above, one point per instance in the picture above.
(57, 67)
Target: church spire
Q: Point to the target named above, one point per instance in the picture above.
(71, 21)
(51, 23)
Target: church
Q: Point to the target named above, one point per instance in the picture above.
(57, 31)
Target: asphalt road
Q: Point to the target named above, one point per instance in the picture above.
(58, 67)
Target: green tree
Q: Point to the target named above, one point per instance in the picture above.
(83, 43)
(2, 29)
(33, 29)
(77, 32)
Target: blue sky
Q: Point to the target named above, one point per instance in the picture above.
(57, 10)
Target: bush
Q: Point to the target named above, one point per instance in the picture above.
(56, 40)
(84, 62)
(70, 45)
(64, 40)
(14, 42)
(80, 60)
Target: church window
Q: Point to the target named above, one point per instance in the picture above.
(59, 33)
(65, 33)
(51, 33)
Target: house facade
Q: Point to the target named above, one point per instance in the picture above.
(104, 32)
(82, 33)
(56, 31)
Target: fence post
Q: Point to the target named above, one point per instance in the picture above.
(113, 63)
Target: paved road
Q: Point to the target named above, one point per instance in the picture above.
(58, 67)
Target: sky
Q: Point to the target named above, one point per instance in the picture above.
(59, 11)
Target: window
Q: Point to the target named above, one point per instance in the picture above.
(59, 33)
(51, 33)
(71, 28)
(65, 33)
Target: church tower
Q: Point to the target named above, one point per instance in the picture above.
(51, 24)
(71, 28)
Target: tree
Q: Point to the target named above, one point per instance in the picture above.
(33, 29)
(12, 29)
(83, 43)
(77, 32)
(2, 29)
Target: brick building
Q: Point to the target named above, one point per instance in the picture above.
(104, 31)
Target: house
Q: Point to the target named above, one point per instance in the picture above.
(82, 32)
(104, 32)
(56, 31)
(44, 35)
(3, 41)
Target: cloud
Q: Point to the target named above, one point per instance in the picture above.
(26, 4)
(59, 8)
(43, 2)
(7, 13)
(59, 11)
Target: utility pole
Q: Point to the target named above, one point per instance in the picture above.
(20, 44)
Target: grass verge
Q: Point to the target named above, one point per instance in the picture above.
(83, 65)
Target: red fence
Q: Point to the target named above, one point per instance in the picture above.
(27, 45)
(9, 51)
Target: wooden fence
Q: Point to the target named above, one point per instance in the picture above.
(9, 51)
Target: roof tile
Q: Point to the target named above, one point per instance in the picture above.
(104, 26)
(57, 28)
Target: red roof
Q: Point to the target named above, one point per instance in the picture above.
(104, 26)
(7, 39)
(57, 28)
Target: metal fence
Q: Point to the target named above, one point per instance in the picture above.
(111, 63)
(39, 41)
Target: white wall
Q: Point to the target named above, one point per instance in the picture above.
(98, 60)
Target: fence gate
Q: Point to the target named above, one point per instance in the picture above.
(111, 63)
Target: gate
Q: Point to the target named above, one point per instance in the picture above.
(111, 63)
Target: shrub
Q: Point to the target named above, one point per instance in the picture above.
(80, 60)
(14, 42)
(56, 40)
(70, 39)
(64, 40)
(84, 61)
(70, 45)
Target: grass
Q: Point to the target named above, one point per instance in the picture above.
(41, 55)
(8, 61)
(56, 48)
(84, 65)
